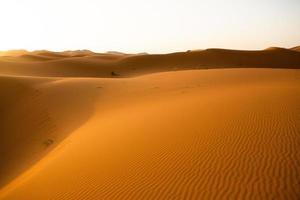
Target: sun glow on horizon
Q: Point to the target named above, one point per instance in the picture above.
(148, 26)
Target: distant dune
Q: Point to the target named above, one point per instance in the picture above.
(13, 52)
(296, 48)
(89, 64)
(86, 125)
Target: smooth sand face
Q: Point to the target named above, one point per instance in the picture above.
(197, 134)
(72, 129)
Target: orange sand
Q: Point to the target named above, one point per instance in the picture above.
(196, 134)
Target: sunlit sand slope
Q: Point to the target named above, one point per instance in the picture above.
(297, 48)
(207, 134)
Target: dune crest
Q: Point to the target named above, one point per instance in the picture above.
(297, 48)
(89, 64)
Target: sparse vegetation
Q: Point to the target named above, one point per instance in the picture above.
(48, 142)
(114, 73)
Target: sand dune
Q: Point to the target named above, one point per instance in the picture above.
(297, 48)
(25, 58)
(31, 117)
(69, 132)
(89, 64)
(14, 52)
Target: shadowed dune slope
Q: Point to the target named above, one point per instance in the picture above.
(197, 134)
(90, 64)
(35, 115)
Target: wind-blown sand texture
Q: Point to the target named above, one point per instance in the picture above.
(72, 129)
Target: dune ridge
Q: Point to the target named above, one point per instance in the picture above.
(297, 48)
(90, 64)
(33, 120)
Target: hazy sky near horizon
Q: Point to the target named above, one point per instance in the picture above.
(155, 26)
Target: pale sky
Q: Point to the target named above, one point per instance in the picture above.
(156, 26)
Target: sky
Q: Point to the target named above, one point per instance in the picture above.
(156, 26)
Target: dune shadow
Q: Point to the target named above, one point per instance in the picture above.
(34, 121)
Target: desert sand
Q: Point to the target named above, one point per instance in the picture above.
(209, 124)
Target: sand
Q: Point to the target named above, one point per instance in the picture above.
(158, 133)
(297, 48)
(89, 64)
